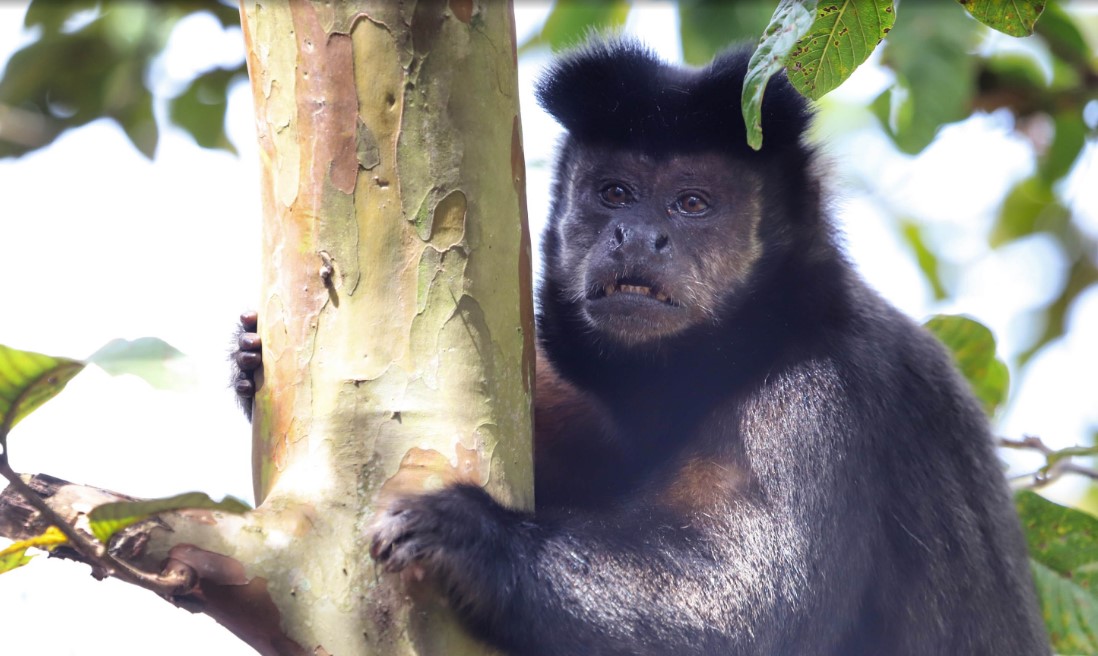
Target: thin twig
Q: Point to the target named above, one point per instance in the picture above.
(1057, 461)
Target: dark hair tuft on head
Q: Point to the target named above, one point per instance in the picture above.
(617, 91)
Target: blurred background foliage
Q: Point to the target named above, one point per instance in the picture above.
(91, 60)
(88, 60)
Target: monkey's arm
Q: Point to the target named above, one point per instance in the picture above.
(611, 584)
(699, 564)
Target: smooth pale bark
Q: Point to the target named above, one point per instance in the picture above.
(396, 319)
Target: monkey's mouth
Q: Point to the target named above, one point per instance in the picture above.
(632, 286)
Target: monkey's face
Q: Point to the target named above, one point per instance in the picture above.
(650, 247)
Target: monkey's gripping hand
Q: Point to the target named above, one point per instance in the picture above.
(246, 359)
(462, 541)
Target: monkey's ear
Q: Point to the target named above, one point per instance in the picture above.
(595, 88)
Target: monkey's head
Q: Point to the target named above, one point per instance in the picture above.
(661, 212)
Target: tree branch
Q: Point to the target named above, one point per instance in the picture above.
(197, 578)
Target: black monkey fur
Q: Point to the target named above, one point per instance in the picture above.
(740, 447)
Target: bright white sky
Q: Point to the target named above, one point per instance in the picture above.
(96, 243)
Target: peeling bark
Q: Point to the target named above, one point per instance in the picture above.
(396, 311)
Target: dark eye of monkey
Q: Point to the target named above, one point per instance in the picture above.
(691, 205)
(615, 195)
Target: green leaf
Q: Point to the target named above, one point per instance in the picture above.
(930, 53)
(200, 109)
(790, 21)
(1063, 37)
(145, 358)
(571, 21)
(708, 26)
(15, 554)
(137, 121)
(11, 559)
(108, 519)
(1063, 545)
(1030, 206)
(842, 37)
(27, 380)
(973, 349)
(78, 71)
(1067, 143)
(927, 259)
(1070, 612)
(1013, 17)
(51, 15)
(1082, 274)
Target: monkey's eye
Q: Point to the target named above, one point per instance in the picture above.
(691, 204)
(615, 195)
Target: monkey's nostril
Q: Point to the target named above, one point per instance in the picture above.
(661, 242)
(619, 236)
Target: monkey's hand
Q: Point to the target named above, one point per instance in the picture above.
(246, 360)
(458, 539)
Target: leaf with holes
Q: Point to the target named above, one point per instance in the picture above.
(27, 380)
(108, 519)
(843, 36)
(1063, 546)
(1013, 17)
(791, 20)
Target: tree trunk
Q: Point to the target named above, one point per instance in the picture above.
(396, 314)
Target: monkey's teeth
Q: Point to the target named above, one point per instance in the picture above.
(637, 289)
(661, 297)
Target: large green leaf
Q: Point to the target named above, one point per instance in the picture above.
(930, 53)
(790, 21)
(843, 36)
(27, 380)
(108, 519)
(1013, 17)
(973, 349)
(145, 357)
(1063, 544)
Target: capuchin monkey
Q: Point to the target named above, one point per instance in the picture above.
(740, 447)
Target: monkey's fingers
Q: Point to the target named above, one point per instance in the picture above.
(249, 321)
(248, 357)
